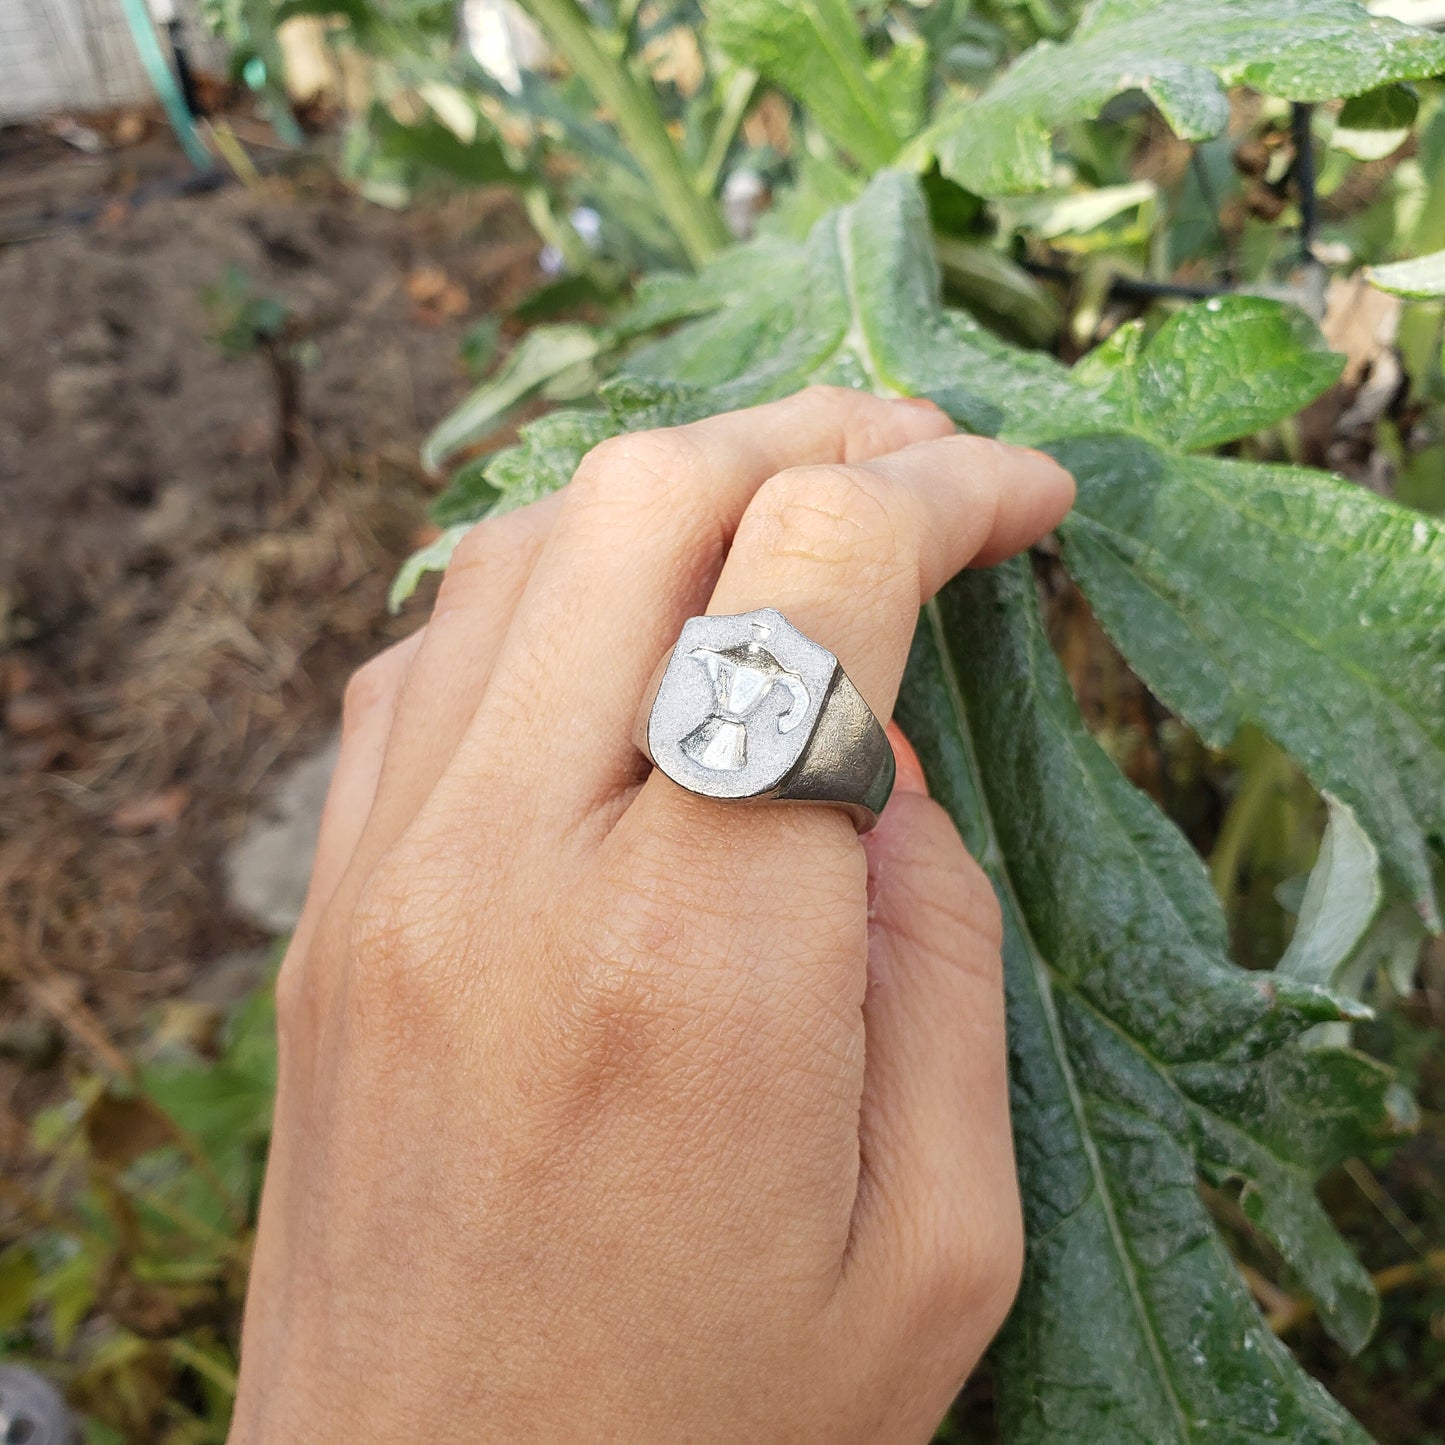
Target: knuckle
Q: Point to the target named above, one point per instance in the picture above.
(868, 425)
(638, 470)
(636, 944)
(971, 1276)
(372, 686)
(492, 551)
(832, 514)
(403, 944)
(617, 988)
(477, 551)
(305, 986)
(999, 1270)
(841, 404)
(827, 394)
(614, 1006)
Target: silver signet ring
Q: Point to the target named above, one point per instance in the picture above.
(746, 708)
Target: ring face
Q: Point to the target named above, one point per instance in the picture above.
(738, 703)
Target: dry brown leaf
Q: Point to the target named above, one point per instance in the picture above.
(129, 128)
(425, 283)
(29, 714)
(119, 1129)
(151, 811)
(1361, 322)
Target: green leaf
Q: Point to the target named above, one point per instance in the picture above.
(543, 461)
(1340, 902)
(1350, 937)
(1386, 961)
(1391, 108)
(355, 12)
(1214, 635)
(1196, 383)
(900, 77)
(1068, 213)
(436, 556)
(432, 144)
(70, 1289)
(479, 346)
(546, 356)
(856, 304)
(1376, 124)
(18, 1277)
(1286, 598)
(819, 185)
(813, 50)
(1140, 1057)
(1182, 55)
(1420, 279)
(999, 289)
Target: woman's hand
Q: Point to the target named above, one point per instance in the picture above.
(607, 1111)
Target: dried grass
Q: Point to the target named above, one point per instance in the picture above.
(109, 877)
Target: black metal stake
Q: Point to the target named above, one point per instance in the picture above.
(1301, 116)
(184, 74)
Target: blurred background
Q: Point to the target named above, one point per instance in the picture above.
(252, 255)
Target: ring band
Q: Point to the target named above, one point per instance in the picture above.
(746, 708)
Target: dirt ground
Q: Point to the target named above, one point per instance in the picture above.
(179, 609)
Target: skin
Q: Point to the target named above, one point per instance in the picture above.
(608, 1112)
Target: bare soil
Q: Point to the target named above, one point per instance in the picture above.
(179, 610)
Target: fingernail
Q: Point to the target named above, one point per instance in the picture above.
(921, 403)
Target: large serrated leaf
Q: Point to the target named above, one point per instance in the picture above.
(1140, 1057)
(1275, 595)
(1181, 54)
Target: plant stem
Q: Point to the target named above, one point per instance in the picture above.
(736, 98)
(1389, 1210)
(626, 19)
(1265, 767)
(221, 1376)
(695, 218)
(286, 388)
(1132, 288)
(556, 230)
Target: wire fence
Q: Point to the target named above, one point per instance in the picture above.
(78, 55)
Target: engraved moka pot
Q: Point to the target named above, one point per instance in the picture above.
(742, 678)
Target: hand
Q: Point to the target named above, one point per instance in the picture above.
(606, 1111)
